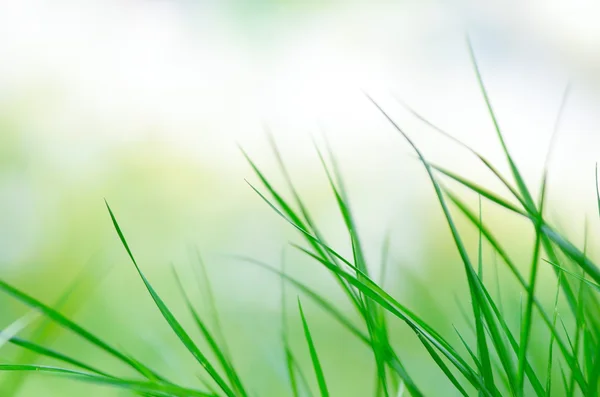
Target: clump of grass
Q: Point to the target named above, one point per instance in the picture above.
(497, 364)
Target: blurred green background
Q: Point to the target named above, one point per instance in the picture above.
(143, 103)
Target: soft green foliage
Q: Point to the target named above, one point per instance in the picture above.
(496, 361)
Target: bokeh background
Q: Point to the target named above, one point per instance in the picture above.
(144, 104)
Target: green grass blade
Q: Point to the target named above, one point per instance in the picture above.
(515, 171)
(313, 355)
(529, 371)
(63, 321)
(183, 336)
(46, 330)
(526, 330)
(314, 241)
(372, 314)
(386, 301)
(438, 360)
(477, 296)
(480, 190)
(225, 363)
(495, 244)
(157, 389)
(43, 351)
(295, 219)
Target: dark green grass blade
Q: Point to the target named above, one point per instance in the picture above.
(507, 332)
(491, 239)
(386, 301)
(482, 349)
(313, 355)
(526, 329)
(171, 320)
(549, 234)
(476, 293)
(64, 322)
(157, 389)
(376, 331)
(529, 371)
(396, 364)
(594, 375)
(531, 211)
(218, 352)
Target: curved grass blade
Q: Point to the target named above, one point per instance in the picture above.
(526, 195)
(45, 352)
(171, 320)
(155, 388)
(476, 293)
(395, 363)
(369, 288)
(372, 312)
(43, 333)
(297, 221)
(225, 363)
(440, 363)
(63, 321)
(512, 266)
